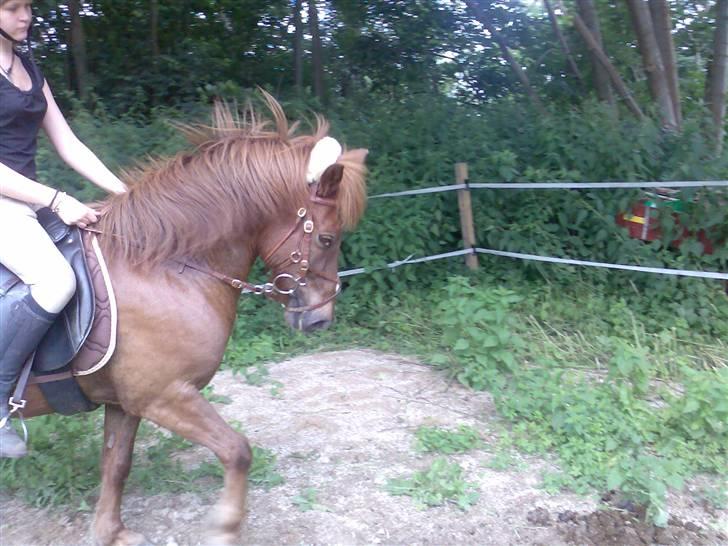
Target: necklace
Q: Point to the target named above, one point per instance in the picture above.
(9, 72)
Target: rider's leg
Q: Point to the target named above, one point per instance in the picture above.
(27, 251)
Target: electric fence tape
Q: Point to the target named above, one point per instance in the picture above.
(534, 257)
(555, 186)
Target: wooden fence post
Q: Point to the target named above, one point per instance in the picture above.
(466, 214)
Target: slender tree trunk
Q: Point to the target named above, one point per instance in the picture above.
(298, 46)
(506, 52)
(78, 49)
(660, 12)
(316, 49)
(601, 77)
(154, 29)
(562, 40)
(617, 82)
(716, 83)
(652, 61)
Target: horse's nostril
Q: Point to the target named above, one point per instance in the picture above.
(318, 325)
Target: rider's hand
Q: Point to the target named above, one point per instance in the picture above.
(75, 213)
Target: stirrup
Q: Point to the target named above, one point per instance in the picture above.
(15, 407)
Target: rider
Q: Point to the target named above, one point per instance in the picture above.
(26, 105)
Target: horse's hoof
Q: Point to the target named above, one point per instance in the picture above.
(130, 538)
(222, 539)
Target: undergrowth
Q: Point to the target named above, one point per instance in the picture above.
(624, 392)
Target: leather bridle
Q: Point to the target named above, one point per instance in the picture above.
(284, 283)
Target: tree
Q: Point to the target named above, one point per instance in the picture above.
(601, 77)
(562, 41)
(652, 61)
(317, 63)
(482, 17)
(298, 46)
(660, 13)
(715, 83)
(78, 49)
(154, 29)
(601, 57)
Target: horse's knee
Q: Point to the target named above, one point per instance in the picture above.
(240, 456)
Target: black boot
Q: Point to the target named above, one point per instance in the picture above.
(21, 330)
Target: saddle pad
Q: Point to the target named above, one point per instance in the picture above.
(101, 341)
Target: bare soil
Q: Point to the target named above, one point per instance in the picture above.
(343, 423)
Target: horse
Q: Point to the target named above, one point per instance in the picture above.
(179, 246)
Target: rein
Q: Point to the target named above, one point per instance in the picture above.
(284, 284)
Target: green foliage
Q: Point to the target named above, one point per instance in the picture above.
(478, 330)
(262, 472)
(211, 396)
(307, 500)
(433, 439)
(62, 466)
(701, 412)
(607, 434)
(441, 483)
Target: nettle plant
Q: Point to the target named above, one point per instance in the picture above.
(478, 330)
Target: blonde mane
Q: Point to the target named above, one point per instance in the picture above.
(242, 173)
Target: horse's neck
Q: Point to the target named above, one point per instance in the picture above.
(233, 259)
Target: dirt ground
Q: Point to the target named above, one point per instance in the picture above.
(343, 423)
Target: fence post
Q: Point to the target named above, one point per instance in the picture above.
(466, 214)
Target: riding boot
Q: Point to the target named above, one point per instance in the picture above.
(21, 330)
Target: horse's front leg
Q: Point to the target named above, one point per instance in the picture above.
(183, 410)
(120, 431)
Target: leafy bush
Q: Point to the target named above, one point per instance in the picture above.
(441, 483)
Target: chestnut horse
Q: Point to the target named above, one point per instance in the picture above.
(179, 245)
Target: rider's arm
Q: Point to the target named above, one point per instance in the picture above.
(15, 185)
(73, 151)
(21, 188)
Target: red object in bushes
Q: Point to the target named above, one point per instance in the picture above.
(642, 226)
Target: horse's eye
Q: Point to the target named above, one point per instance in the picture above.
(326, 241)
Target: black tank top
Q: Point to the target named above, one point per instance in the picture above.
(21, 115)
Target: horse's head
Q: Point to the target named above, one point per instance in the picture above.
(302, 254)
(247, 190)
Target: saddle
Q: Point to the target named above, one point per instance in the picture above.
(83, 337)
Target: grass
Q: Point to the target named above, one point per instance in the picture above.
(624, 391)
(440, 440)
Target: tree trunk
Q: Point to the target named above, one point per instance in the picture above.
(298, 47)
(716, 83)
(78, 50)
(652, 61)
(154, 29)
(316, 50)
(619, 85)
(660, 12)
(562, 40)
(601, 76)
(507, 55)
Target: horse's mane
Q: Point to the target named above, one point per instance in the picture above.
(242, 171)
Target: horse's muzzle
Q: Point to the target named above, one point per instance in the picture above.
(311, 321)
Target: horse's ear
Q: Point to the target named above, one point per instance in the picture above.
(328, 186)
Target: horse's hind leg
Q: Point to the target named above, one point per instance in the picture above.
(119, 433)
(183, 410)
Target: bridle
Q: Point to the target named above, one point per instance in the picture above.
(286, 284)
